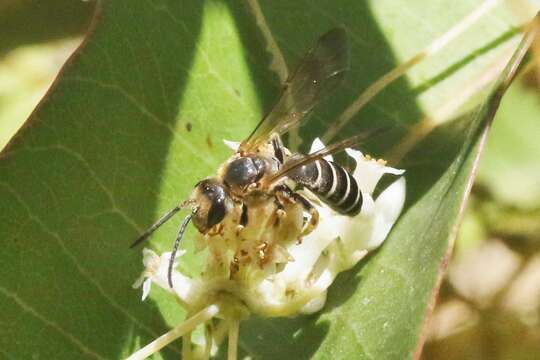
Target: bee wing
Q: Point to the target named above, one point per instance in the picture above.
(299, 160)
(319, 72)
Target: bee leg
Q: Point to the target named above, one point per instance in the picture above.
(278, 148)
(284, 190)
(306, 204)
(309, 208)
(234, 267)
(244, 217)
(283, 195)
(280, 210)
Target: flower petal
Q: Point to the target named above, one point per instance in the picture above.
(368, 172)
(318, 145)
(233, 145)
(137, 283)
(314, 305)
(182, 285)
(150, 258)
(388, 206)
(146, 288)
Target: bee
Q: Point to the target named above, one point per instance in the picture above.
(263, 200)
(263, 170)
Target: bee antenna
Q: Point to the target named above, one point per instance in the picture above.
(162, 220)
(179, 236)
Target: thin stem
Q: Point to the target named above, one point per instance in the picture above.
(394, 74)
(423, 127)
(165, 339)
(208, 342)
(277, 63)
(460, 27)
(234, 326)
(186, 347)
(219, 332)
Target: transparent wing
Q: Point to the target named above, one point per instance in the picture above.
(299, 160)
(318, 73)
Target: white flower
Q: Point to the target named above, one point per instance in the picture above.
(296, 277)
(340, 241)
(233, 145)
(156, 268)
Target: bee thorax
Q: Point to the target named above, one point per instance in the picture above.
(244, 171)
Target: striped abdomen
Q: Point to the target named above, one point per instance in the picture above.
(332, 184)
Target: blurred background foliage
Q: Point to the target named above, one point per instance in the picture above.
(489, 305)
(36, 39)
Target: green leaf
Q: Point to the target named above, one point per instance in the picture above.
(137, 117)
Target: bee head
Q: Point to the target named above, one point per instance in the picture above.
(211, 199)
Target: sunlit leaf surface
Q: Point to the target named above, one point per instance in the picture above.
(137, 118)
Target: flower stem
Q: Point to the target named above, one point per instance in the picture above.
(219, 332)
(165, 339)
(186, 346)
(208, 342)
(394, 74)
(233, 339)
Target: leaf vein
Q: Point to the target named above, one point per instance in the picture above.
(77, 264)
(29, 309)
(207, 159)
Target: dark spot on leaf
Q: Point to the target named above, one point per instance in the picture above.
(189, 126)
(209, 141)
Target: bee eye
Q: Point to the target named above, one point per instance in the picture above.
(216, 213)
(212, 202)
